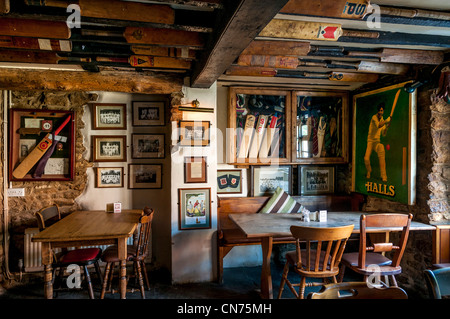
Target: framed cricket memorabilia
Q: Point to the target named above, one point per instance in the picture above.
(110, 116)
(229, 181)
(108, 177)
(34, 155)
(109, 148)
(384, 144)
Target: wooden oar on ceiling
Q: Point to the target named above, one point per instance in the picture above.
(37, 57)
(272, 72)
(116, 9)
(149, 62)
(42, 57)
(154, 36)
(293, 62)
(28, 43)
(355, 9)
(34, 28)
(293, 29)
(403, 56)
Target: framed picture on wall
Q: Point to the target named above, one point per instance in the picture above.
(144, 175)
(266, 179)
(30, 133)
(314, 180)
(194, 133)
(229, 181)
(109, 148)
(195, 170)
(194, 208)
(384, 144)
(108, 177)
(148, 113)
(109, 116)
(147, 145)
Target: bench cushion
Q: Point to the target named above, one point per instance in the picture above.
(281, 202)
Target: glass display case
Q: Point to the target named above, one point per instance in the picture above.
(320, 127)
(259, 123)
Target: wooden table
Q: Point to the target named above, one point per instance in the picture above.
(88, 228)
(267, 226)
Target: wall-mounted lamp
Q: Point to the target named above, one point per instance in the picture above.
(194, 106)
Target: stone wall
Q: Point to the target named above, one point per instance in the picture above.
(40, 194)
(432, 191)
(439, 185)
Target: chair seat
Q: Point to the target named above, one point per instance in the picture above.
(351, 259)
(111, 253)
(84, 255)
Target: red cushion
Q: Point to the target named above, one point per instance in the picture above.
(81, 255)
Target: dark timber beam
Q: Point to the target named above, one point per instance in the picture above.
(240, 22)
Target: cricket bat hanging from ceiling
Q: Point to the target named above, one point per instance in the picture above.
(27, 164)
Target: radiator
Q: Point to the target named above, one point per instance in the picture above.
(32, 251)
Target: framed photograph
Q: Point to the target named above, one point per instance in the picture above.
(108, 177)
(194, 133)
(194, 208)
(109, 148)
(266, 179)
(144, 175)
(109, 116)
(30, 131)
(316, 180)
(384, 144)
(148, 113)
(195, 170)
(147, 145)
(229, 181)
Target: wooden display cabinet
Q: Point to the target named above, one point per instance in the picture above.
(259, 126)
(319, 127)
(27, 130)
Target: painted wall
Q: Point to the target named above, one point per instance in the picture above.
(158, 199)
(194, 251)
(240, 256)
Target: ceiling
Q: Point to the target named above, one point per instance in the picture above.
(237, 42)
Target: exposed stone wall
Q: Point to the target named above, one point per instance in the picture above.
(40, 194)
(439, 176)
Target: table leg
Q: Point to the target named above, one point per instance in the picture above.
(47, 260)
(266, 274)
(122, 254)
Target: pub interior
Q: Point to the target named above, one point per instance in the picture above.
(229, 121)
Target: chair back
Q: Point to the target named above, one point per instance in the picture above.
(400, 222)
(438, 282)
(324, 248)
(357, 290)
(145, 225)
(46, 214)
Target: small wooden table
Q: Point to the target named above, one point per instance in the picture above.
(86, 228)
(267, 226)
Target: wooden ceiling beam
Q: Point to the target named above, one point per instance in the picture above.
(239, 23)
(114, 81)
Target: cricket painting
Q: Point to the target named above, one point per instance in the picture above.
(384, 144)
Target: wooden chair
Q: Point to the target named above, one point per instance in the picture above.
(371, 258)
(320, 261)
(136, 253)
(438, 282)
(82, 257)
(357, 290)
